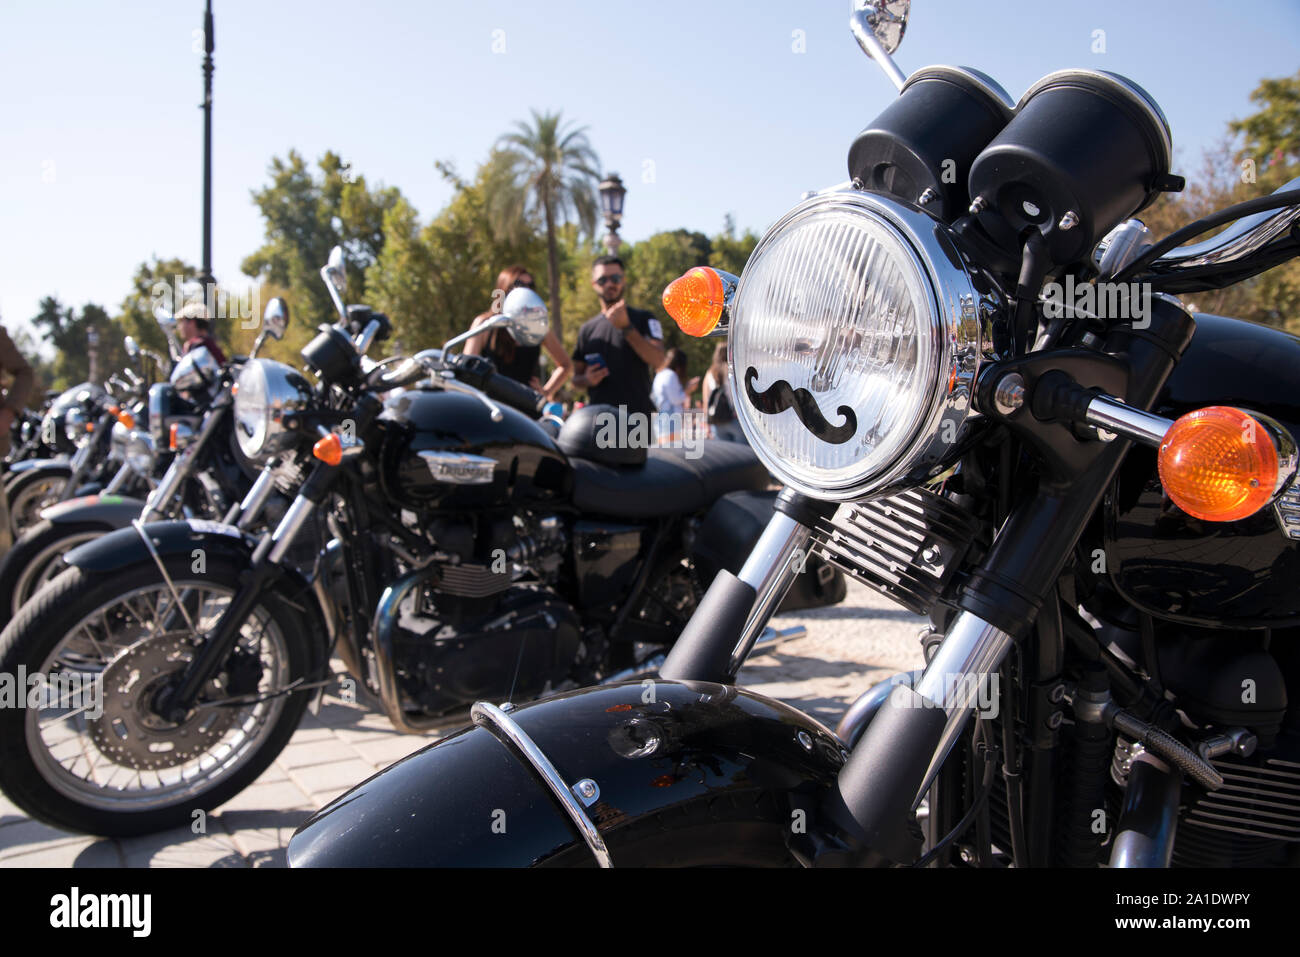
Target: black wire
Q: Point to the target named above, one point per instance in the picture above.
(986, 786)
(1175, 239)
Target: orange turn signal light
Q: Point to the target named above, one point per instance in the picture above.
(329, 449)
(1218, 464)
(695, 300)
(173, 436)
(126, 418)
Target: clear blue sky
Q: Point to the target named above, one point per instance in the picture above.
(704, 107)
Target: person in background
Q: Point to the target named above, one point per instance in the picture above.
(717, 398)
(521, 363)
(619, 346)
(194, 329)
(671, 393)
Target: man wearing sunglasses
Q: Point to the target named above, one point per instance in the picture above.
(620, 348)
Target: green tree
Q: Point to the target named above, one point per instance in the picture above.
(1266, 156)
(161, 285)
(306, 216)
(71, 335)
(544, 172)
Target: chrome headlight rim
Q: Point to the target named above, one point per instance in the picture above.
(76, 424)
(196, 372)
(281, 390)
(957, 335)
(139, 453)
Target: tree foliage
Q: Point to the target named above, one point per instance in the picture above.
(71, 333)
(308, 215)
(543, 174)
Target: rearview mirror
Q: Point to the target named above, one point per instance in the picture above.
(878, 26)
(336, 272)
(276, 317)
(525, 316)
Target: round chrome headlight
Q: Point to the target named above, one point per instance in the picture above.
(266, 392)
(139, 452)
(854, 343)
(76, 424)
(196, 372)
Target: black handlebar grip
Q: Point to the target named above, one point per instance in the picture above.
(514, 394)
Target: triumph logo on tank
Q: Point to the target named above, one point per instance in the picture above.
(71, 690)
(78, 910)
(1129, 301)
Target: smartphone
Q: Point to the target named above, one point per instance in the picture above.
(594, 359)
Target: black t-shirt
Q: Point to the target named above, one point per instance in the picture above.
(628, 382)
(521, 363)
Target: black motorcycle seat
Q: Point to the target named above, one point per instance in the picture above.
(586, 434)
(671, 482)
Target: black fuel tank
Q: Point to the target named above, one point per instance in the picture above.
(438, 449)
(1180, 568)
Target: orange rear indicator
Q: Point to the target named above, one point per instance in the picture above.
(329, 450)
(126, 418)
(695, 300)
(173, 436)
(1218, 464)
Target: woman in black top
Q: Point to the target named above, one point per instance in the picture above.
(521, 363)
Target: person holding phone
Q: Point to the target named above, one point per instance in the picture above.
(619, 347)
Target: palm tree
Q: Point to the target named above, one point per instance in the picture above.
(549, 171)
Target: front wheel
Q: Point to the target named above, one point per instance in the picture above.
(87, 751)
(30, 493)
(37, 557)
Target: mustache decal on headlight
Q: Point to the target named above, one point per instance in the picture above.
(780, 396)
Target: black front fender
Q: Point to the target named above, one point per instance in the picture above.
(116, 511)
(125, 547)
(662, 754)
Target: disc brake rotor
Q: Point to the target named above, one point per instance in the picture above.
(130, 733)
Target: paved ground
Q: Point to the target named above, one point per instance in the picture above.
(848, 647)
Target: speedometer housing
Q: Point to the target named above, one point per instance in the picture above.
(856, 335)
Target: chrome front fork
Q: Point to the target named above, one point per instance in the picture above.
(966, 661)
(770, 570)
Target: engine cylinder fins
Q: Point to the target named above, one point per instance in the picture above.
(906, 546)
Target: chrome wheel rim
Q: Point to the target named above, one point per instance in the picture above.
(90, 694)
(44, 566)
(26, 507)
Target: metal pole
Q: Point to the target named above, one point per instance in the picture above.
(209, 45)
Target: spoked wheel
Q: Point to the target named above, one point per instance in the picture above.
(32, 493)
(93, 752)
(37, 558)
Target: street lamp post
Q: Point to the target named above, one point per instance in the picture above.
(612, 192)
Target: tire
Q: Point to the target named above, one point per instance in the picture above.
(30, 492)
(54, 634)
(29, 563)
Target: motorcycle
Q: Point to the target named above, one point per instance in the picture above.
(466, 552)
(1091, 494)
(83, 432)
(191, 433)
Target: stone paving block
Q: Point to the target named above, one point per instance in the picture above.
(382, 753)
(26, 836)
(268, 798)
(92, 852)
(323, 778)
(313, 752)
(181, 847)
(308, 735)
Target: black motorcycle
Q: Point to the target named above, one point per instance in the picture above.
(81, 446)
(188, 453)
(468, 555)
(986, 403)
